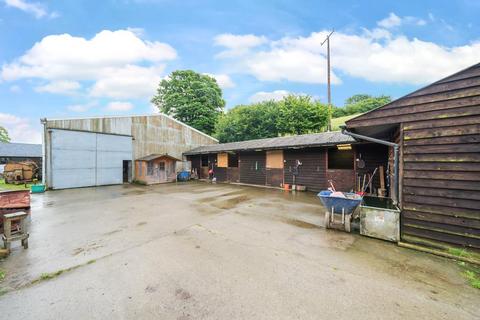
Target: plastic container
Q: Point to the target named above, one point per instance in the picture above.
(183, 176)
(37, 188)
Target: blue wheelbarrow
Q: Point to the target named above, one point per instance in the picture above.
(340, 208)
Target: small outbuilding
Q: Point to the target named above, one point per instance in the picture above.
(436, 131)
(156, 168)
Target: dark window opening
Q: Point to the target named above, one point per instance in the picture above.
(204, 160)
(126, 170)
(161, 166)
(232, 160)
(340, 159)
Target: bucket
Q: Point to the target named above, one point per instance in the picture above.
(37, 188)
(286, 186)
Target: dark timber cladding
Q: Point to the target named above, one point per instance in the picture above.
(312, 172)
(253, 167)
(440, 146)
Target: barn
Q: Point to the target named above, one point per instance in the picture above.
(103, 150)
(437, 130)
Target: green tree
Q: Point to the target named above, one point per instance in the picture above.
(360, 103)
(246, 122)
(192, 98)
(4, 137)
(300, 115)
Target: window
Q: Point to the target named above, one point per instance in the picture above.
(204, 160)
(340, 159)
(150, 168)
(232, 160)
(161, 166)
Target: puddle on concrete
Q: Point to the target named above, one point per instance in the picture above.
(229, 203)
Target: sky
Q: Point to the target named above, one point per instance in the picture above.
(63, 59)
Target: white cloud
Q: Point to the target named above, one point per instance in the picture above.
(82, 107)
(119, 106)
(375, 55)
(117, 60)
(20, 129)
(267, 96)
(130, 81)
(290, 64)
(237, 44)
(34, 8)
(223, 80)
(60, 87)
(393, 21)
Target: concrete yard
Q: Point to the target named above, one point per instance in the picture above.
(203, 251)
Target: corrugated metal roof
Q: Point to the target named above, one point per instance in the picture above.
(23, 150)
(156, 156)
(306, 140)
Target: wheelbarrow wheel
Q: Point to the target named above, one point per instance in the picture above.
(327, 219)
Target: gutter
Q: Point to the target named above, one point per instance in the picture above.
(396, 148)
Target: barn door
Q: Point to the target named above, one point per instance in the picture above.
(162, 174)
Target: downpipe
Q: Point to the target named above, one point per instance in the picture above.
(396, 148)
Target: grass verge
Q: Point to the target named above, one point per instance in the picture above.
(9, 186)
(337, 122)
(472, 273)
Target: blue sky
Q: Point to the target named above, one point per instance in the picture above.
(86, 58)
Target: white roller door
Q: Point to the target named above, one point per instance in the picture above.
(82, 159)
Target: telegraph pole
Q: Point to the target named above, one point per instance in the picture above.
(329, 92)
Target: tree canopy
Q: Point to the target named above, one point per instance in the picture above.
(192, 98)
(4, 137)
(360, 103)
(300, 115)
(291, 115)
(246, 122)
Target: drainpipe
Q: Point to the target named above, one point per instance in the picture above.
(396, 148)
(43, 121)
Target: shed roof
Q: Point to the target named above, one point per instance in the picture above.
(305, 140)
(156, 156)
(21, 150)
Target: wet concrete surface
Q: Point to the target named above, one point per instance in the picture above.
(203, 251)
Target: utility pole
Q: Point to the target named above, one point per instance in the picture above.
(329, 92)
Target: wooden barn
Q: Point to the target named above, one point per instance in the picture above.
(437, 129)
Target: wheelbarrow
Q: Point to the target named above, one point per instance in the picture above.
(340, 208)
